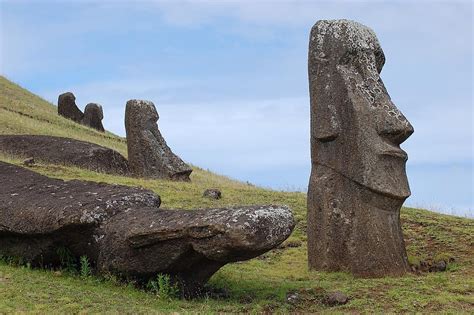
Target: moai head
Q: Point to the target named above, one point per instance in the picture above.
(355, 128)
(67, 107)
(141, 116)
(93, 115)
(94, 110)
(148, 154)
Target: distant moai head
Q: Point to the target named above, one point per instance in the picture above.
(93, 115)
(352, 115)
(95, 110)
(67, 107)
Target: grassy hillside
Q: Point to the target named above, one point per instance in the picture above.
(257, 285)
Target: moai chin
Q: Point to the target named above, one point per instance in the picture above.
(148, 154)
(358, 181)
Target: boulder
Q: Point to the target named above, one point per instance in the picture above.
(122, 231)
(93, 116)
(67, 107)
(358, 181)
(148, 154)
(65, 151)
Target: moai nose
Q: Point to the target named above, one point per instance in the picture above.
(393, 125)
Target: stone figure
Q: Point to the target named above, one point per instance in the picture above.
(148, 154)
(93, 116)
(358, 181)
(67, 107)
(122, 231)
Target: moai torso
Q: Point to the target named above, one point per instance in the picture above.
(358, 181)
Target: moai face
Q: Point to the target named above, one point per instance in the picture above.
(353, 116)
(142, 115)
(148, 153)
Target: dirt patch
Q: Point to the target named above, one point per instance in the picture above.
(65, 151)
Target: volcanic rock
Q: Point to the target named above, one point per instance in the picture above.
(358, 181)
(438, 266)
(67, 107)
(336, 298)
(148, 154)
(122, 231)
(212, 193)
(65, 151)
(93, 116)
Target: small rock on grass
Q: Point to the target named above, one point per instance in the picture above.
(336, 298)
(292, 297)
(439, 266)
(29, 161)
(212, 193)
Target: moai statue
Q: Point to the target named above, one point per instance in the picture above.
(67, 107)
(358, 181)
(148, 154)
(93, 116)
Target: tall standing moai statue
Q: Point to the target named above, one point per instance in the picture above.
(148, 154)
(358, 181)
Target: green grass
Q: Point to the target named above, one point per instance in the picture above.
(258, 285)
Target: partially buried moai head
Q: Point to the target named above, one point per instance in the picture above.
(142, 114)
(356, 128)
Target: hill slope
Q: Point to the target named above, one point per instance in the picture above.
(261, 284)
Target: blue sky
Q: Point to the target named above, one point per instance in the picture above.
(229, 78)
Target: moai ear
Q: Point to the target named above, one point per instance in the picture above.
(328, 126)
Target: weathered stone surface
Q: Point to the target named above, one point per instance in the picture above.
(212, 193)
(439, 266)
(93, 115)
(58, 150)
(122, 231)
(148, 154)
(67, 107)
(358, 181)
(336, 298)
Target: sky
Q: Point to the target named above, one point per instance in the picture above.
(229, 79)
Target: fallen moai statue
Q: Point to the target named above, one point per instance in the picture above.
(122, 231)
(148, 154)
(358, 181)
(66, 151)
(92, 116)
